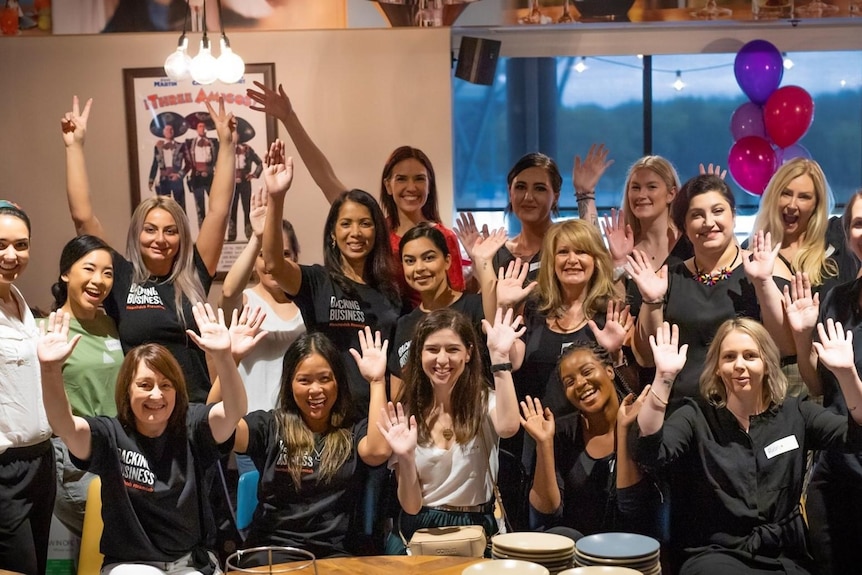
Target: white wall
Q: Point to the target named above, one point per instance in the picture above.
(361, 93)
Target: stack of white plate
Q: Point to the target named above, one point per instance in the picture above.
(628, 550)
(555, 552)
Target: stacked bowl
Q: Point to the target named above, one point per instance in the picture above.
(627, 550)
(554, 552)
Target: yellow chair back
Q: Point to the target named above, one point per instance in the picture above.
(90, 558)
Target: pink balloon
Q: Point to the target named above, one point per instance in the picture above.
(787, 115)
(747, 120)
(752, 163)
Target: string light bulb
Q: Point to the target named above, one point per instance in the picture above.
(178, 63)
(581, 66)
(230, 66)
(678, 84)
(787, 62)
(204, 68)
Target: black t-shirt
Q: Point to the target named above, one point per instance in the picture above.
(504, 256)
(699, 310)
(146, 314)
(318, 516)
(151, 503)
(327, 309)
(469, 304)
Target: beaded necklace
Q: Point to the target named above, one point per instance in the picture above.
(710, 279)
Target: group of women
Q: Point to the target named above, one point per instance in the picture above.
(645, 375)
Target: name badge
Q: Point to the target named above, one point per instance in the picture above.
(534, 266)
(789, 443)
(113, 345)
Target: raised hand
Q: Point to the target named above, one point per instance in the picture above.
(257, 210)
(510, 285)
(668, 355)
(276, 104)
(630, 406)
(214, 336)
(278, 177)
(536, 421)
(275, 154)
(74, 123)
(587, 173)
(399, 431)
(802, 309)
(245, 330)
(502, 334)
(621, 238)
(651, 284)
(371, 359)
(618, 323)
(467, 232)
(54, 345)
(835, 348)
(225, 122)
(712, 170)
(762, 261)
(486, 246)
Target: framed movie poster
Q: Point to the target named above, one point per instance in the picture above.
(173, 144)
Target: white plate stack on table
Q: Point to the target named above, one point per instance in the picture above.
(593, 570)
(554, 552)
(629, 550)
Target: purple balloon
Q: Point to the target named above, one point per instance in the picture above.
(759, 68)
(747, 120)
(791, 152)
(752, 163)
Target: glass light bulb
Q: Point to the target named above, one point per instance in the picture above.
(177, 64)
(230, 65)
(203, 68)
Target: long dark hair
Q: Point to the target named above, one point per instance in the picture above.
(696, 186)
(13, 209)
(378, 272)
(161, 360)
(429, 209)
(297, 437)
(470, 393)
(74, 250)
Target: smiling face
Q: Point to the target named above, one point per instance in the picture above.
(354, 231)
(797, 203)
(152, 398)
(573, 266)
(709, 222)
(648, 195)
(89, 280)
(444, 356)
(14, 249)
(740, 365)
(408, 185)
(532, 195)
(587, 382)
(160, 241)
(314, 391)
(425, 266)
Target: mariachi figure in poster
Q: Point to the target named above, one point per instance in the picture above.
(248, 167)
(201, 153)
(170, 162)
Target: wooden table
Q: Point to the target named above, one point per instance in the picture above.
(389, 565)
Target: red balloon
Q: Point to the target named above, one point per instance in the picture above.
(752, 162)
(787, 115)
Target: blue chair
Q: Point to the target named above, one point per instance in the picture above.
(246, 498)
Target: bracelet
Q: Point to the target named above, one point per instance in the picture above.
(585, 196)
(658, 301)
(663, 402)
(501, 367)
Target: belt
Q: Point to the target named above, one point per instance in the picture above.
(483, 508)
(26, 453)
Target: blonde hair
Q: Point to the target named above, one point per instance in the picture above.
(664, 170)
(600, 287)
(712, 387)
(183, 275)
(811, 257)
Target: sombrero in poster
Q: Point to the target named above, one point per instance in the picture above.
(179, 124)
(196, 118)
(244, 130)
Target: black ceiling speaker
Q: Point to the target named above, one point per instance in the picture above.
(477, 60)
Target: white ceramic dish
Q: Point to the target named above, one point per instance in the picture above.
(525, 541)
(617, 546)
(505, 567)
(599, 571)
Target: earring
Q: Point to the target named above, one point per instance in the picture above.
(332, 242)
